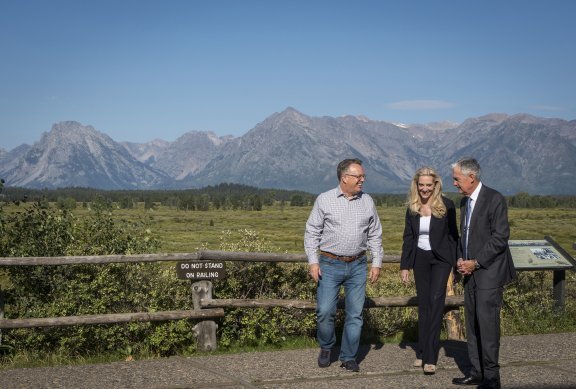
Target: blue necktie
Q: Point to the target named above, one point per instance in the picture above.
(467, 226)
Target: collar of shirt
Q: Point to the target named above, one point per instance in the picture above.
(340, 193)
(474, 197)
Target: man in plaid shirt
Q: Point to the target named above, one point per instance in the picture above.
(341, 228)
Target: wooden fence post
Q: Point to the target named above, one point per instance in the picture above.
(454, 326)
(559, 290)
(205, 331)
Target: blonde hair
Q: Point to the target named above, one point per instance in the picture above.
(414, 202)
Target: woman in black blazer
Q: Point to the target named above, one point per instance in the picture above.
(429, 248)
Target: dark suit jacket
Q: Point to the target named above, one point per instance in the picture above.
(488, 240)
(443, 236)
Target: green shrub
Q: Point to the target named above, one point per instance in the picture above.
(529, 307)
(381, 323)
(68, 290)
(252, 327)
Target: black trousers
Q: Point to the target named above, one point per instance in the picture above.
(431, 276)
(482, 308)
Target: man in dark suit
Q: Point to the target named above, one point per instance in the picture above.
(486, 263)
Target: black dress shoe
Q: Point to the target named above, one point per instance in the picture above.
(469, 380)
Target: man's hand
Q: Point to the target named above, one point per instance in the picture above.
(466, 267)
(315, 272)
(374, 274)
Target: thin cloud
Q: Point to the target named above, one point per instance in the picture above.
(420, 104)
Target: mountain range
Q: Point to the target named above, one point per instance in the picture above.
(291, 150)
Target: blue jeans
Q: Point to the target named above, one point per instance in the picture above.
(352, 276)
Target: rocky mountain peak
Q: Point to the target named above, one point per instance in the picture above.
(75, 155)
(290, 115)
(290, 150)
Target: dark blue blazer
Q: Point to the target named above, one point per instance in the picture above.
(443, 236)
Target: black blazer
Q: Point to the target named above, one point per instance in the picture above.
(443, 236)
(488, 240)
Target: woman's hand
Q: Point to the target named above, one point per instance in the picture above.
(405, 275)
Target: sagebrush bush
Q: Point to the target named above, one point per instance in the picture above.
(251, 327)
(385, 322)
(68, 290)
(529, 306)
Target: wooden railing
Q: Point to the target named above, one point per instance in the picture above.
(205, 307)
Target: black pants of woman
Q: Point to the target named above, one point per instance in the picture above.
(431, 276)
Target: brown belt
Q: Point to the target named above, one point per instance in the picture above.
(343, 258)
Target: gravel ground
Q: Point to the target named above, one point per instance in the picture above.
(533, 361)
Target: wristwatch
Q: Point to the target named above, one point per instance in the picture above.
(476, 265)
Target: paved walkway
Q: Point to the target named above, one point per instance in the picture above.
(534, 361)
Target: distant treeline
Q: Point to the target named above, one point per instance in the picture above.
(222, 196)
(229, 197)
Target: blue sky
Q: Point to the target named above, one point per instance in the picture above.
(138, 70)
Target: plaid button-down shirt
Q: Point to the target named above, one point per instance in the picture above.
(343, 227)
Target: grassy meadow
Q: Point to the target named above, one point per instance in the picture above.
(181, 231)
(283, 226)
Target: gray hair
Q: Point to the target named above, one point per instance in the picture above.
(467, 166)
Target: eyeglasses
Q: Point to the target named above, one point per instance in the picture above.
(356, 176)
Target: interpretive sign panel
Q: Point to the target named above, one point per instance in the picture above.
(200, 270)
(539, 255)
